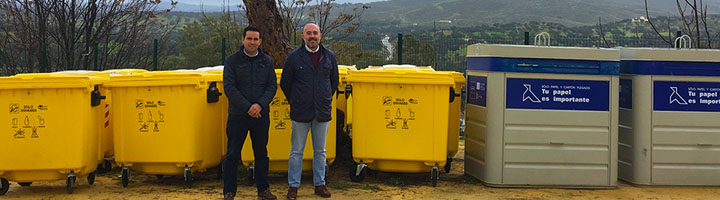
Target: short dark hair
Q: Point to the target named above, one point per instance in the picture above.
(250, 28)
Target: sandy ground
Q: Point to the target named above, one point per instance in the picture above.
(378, 185)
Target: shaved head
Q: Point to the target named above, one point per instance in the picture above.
(312, 35)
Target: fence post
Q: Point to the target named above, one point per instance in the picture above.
(155, 55)
(399, 48)
(223, 52)
(95, 57)
(43, 58)
(527, 38)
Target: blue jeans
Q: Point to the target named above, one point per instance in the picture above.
(237, 131)
(318, 130)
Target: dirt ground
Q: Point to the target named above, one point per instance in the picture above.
(378, 185)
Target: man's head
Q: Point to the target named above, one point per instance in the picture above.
(251, 39)
(311, 34)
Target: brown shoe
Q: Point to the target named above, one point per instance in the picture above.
(229, 196)
(292, 193)
(267, 195)
(322, 191)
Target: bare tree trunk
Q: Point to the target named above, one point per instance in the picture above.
(264, 15)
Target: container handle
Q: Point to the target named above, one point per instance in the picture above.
(453, 95)
(96, 97)
(349, 114)
(213, 93)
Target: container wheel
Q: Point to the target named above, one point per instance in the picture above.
(4, 186)
(250, 178)
(70, 182)
(25, 184)
(434, 173)
(91, 178)
(104, 167)
(356, 176)
(188, 177)
(125, 176)
(448, 164)
(107, 165)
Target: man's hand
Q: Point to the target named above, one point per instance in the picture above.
(254, 111)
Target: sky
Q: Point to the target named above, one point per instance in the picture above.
(234, 2)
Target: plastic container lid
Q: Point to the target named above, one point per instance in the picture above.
(659, 61)
(51, 80)
(164, 78)
(537, 59)
(403, 75)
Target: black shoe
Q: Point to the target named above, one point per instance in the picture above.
(292, 193)
(267, 195)
(229, 196)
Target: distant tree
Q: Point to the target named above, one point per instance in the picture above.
(353, 53)
(67, 31)
(416, 52)
(201, 42)
(280, 20)
(694, 23)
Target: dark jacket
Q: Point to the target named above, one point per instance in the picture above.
(248, 81)
(309, 90)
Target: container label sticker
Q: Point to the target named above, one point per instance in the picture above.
(29, 121)
(398, 112)
(280, 108)
(555, 94)
(625, 93)
(686, 96)
(477, 90)
(150, 116)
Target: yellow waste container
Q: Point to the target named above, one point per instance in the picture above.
(105, 115)
(52, 129)
(223, 108)
(278, 146)
(166, 123)
(222, 112)
(454, 117)
(454, 109)
(400, 120)
(343, 71)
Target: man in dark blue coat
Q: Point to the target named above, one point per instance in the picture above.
(309, 80)
(250, 84)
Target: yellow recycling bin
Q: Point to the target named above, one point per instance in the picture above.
(455, 107)
(343, 71)
(223, 108)
(105, 115)
(454, 117)
(52, 129)
(400, 120)
(278, 146)
(166, 123)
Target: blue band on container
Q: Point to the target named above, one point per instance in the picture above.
(555, 94)
(537, 65)
(678, 68)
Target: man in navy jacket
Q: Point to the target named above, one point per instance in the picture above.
(309, 80)
(250, 84)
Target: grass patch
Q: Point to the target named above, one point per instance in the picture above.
(340, 185)
(369, 187)
(394, 181)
